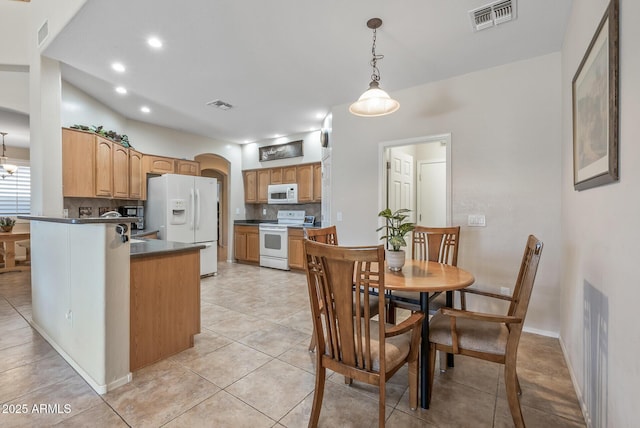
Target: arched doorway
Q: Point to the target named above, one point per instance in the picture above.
(218, 167)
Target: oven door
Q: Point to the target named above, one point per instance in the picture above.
(274, 249)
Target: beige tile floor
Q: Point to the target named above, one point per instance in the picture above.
(250, 368)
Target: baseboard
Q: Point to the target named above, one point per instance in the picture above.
(576, 387)
(541, 332)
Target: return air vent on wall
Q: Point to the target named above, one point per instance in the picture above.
(220, 104)
(493, 14)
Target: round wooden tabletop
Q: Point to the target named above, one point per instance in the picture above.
(418, 275)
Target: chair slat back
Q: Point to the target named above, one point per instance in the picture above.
(526, 277)
(332, 274)
(436, 244)
(326, 235)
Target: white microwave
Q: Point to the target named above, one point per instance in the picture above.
(282, 193)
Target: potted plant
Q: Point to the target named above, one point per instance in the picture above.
(396, 228)
(6, 224)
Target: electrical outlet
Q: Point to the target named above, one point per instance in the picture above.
(505, 291)
(339, 216)
(264, 211)
(476, 220)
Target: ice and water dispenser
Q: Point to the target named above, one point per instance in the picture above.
(178, 209)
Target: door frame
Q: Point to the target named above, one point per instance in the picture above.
(382, 167)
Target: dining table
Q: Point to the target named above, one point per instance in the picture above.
(8, 250)
(427, 277)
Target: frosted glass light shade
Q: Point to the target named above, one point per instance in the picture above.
(374, 102)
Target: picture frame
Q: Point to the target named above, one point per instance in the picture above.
(595, 107)
(280, 151)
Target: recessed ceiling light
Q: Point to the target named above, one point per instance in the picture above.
(145, 109)
(118, 66)
(121, 90)
(154, 42)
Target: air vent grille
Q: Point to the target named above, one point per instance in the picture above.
(492, 14)
(43, 32)
(220, 104)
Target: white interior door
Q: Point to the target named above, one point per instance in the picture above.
(432, 194)
(401, 179)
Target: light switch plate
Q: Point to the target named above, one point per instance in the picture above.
(476, 220)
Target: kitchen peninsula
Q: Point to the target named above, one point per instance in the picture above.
(107, 305)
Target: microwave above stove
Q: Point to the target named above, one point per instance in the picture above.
(282, 193)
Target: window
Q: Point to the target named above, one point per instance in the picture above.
(15, 190)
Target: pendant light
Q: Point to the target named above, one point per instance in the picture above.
(7, 167)
(374, 101)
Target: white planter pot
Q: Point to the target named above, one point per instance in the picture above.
(395, 260)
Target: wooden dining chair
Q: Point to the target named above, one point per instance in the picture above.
(490, 337)
(329, 235)
(357, 347)
(436, 244)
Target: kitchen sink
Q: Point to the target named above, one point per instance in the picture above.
(136, 241)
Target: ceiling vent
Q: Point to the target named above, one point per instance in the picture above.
(493, 14)
(220, 104)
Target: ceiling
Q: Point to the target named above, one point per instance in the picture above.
(282, 64)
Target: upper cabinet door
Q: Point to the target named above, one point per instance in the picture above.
(186, 167)
(304, 175)
(250, 187)
(120, 171)
(136, 177)
(78, 163)
(104, 167)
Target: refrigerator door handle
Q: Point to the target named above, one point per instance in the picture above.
(197, 212)
(192, 203)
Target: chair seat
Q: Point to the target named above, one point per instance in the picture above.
(473, 335)
(396, 347)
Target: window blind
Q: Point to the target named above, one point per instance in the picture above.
(15, 190)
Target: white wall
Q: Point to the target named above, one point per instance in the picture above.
(311, 149)
(505, 126)
(601, 235)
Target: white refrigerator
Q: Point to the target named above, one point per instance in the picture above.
(184, 208)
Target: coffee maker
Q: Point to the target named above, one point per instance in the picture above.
(133, 211)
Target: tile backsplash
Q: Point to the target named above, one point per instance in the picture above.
(254, 211)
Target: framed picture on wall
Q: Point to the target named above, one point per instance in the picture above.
(595, 107)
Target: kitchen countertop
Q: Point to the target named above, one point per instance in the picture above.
(85, 220)
(154, 247)
(257, 222)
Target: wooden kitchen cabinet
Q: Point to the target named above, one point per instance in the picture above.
(104, 167)
(296, 249)
(137, 179)
(187, 167)
(158, 164)
(289, 174)
(317, 182)
(284, 175)
(264, 179)
(164, 306)
(304, 174)
(246, 241)
(307, 176)
(250, 187)
(78, 164)
(121, 173)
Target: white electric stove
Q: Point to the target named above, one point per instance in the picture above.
(274, 242)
